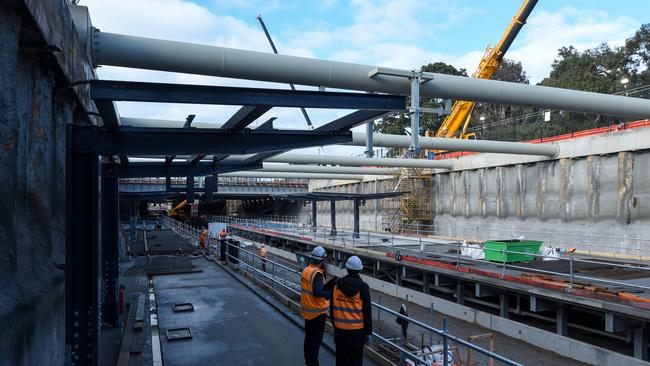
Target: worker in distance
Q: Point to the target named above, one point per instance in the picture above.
(351, 314)
(314, 301)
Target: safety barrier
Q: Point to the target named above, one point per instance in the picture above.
(190, 232)
(374, 241)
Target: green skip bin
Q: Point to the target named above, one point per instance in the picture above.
(515, 250)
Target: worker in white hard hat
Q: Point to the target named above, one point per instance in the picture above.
(264, 253)
(314, 301)
(351, 314)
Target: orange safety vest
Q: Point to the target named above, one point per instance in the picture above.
(347, 312)
(311, 306)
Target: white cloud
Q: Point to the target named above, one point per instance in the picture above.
(546, 32)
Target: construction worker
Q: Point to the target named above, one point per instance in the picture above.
(202, 238)
(351, 314)
(264, 253)
(223, 236)
(314, 301)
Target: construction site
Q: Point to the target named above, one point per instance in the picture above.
(145, 241)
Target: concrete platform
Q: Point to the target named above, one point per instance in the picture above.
(230, 324)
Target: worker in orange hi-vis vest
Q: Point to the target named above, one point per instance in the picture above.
(202, 238)
(351, 313)
(314, 301)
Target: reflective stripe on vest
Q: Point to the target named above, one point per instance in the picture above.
(311, 306)
(347, 311)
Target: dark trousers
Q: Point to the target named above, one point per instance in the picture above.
(349, 356)
(314, 329)
(222, 250)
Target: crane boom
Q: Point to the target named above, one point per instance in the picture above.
(461, 112)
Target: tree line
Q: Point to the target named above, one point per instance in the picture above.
(603, 69)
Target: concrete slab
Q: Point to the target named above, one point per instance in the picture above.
(230, 325)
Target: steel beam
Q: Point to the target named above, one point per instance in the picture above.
(144, 170)
(245, 116)
(439, 143)
(351, 120)
(276, 167)
(161, 141)
(293, 175)
(82, 256)
(112, 90)
(154, 54)
(110, 243)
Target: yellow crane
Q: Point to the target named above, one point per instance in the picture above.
(174, 211)
(461, 112)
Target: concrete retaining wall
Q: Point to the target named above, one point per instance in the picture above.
(32, 180)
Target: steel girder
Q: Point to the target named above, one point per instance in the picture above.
(203, 94)
(143, 170)
(190, 141)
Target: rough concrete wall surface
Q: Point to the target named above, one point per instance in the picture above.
(32, 182)
(597, 203)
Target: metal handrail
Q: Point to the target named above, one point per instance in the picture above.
(442, 333)
(572, 260)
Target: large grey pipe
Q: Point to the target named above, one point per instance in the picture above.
(437, 143)
(256, 174)
(359, 161)
(273, 167)
(154, 54)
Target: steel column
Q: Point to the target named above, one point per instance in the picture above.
(314, 216)
(369, 147)
(415, 117)
(82, 257)
(133, 215)
(356, 204)
(189, 189)
(504, 306)
(209, 188)
(562, 320)
(110, 243)
(641, 343)
(333, 217)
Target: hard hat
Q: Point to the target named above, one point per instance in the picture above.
(318, 253)
(354, 263)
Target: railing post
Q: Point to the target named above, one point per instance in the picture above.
(503, 269)
(570, 270)
(445, 345)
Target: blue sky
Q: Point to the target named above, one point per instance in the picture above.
(394, 33)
